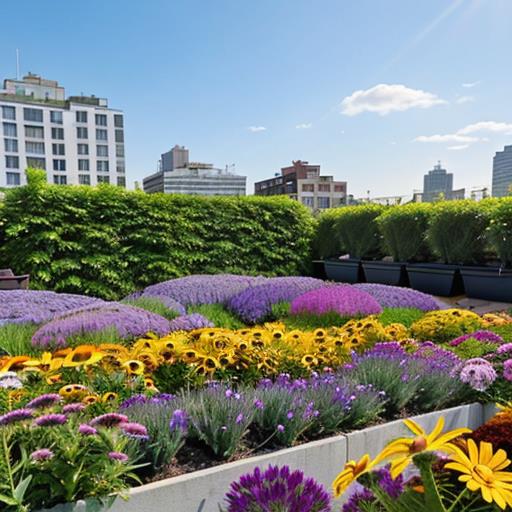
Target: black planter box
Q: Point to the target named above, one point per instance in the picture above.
(344, 271)
(490, 283)
(436, 278)
(385, 272)
(318, 269)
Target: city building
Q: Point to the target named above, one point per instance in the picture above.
(78, 140)
(177, 175)
(302, 181)
(502, 172)
(438, 184)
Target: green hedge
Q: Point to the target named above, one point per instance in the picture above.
(107, 241)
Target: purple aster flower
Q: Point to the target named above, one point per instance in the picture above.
(478, 373)
(109, 420)
(15, 416)
(73, 408)
(504, 349)
(118, 456)
(87, 430)
(135, 431)
(507, 370)
(41, 455)
(357, 500)
(43, 401)
(50, 420)
(482, 336)
(179, 421)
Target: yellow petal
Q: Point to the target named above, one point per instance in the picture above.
(457, 466)
(499, 460)
(414, 427)
(398, 466)
(485, 453)
(486, 494)
(437, 430)
(472, 452)
(498, 499)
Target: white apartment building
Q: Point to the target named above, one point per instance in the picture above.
(78, 140)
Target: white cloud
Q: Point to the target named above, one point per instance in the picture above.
(487, 126)
(458, 148)
(303, 126)
(448, 137)
(385, 98)
(469, 85)
(464, 99)
(255, 129)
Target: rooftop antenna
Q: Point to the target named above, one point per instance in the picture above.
(17, 64)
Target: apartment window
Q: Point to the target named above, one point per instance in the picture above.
(58, 149)
(324, 187)
(34, 132)
(81, 116)
(10, 130)
(9, 113)
(82, 133)
(118, 121)
(101, 120)
(339, 188)
(84, 179)
(308, 201)
(119, 150)
(59, 165)
(13, 178)
(101, 134)
(121, 181)
(11, 145)
(103, 179)
(37, 163)
(102, 150)
(58, 133)
(308, 187)
(119, 136)
(324, 202)
(102, 166)
(83, 149)
(120, 167)
(36, 148)
(83, 165)
(60, 180)
(12, 162)
(56, 116)
(33, 114)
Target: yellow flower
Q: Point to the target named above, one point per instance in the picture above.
(109, 396)
(14, 363)
(84, 355)
(90, 399)
(350, 473)
(401, 451)
(481, 471)
(134, 367)
(150, 385)
(71, 391)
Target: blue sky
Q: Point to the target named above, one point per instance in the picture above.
(375, 91)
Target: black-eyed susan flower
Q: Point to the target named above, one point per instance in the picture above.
(83, 355)
(133, 367)
(352, 470)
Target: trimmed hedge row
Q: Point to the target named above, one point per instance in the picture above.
(458, 232)
(107, 241)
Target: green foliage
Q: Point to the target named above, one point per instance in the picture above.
(500, 230)
(356, 228)
(16, 339)
(325, 244)
(218, 315)
(403, 230)
(153, 305)
(280, 310)
(36, 178)
(457, 230)
(169, 378)
(405, 316)
(107, 242)
(472, 348)
(310, 322)
(505, 331)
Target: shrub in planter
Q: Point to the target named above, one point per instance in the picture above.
(500, 230)
(403, 231)
(326, 242)
(357, 230)
(457, 230)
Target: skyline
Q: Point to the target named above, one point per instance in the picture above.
(367, 91)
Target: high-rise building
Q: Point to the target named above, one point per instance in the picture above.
(177, 175)
(78, 140)
(438, 184)
(302, 181)
(502, 172)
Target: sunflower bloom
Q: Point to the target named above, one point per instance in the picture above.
(482, 471)
(402, 450)
(351, 472)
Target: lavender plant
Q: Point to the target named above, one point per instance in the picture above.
(189, 323)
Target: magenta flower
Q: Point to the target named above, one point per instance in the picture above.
(73, 408)
(87, 430)
(50, 420)
(15, 416)
(109, 420)
(478, 373)
(135, 431)
(43, 401)
(118, 456)
(41, 455)
(507, 370)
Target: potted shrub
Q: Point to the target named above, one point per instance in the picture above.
(456, 235)
(494, 282)
(403, 238)
(355, 230)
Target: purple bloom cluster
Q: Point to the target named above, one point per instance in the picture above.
(135, 431)
(189, 323)
(507, 370)
(41, 455)
(118, 456)
(504, 349)
(436, 357)
(130, 322)
(478, 373)
(43, 401)
(51, 420)
(482, 336)
(202, 289)
(255, 303)
(20, 306)
(109, 420)
(179, 421)
(398, 297)
(345, 300)
(277, 489)
(14, 416)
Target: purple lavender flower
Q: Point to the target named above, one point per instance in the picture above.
(358, 499)
(133, 400)
(345, 300)
(135, 431)
(179, 421)
(51, 420)
(9, 380)
(41, 455)
(239, 419)
(398, 297)
(280, 428)
(43, 401)
(14, 416)
(277, 489)
(504, 349)
(478, 373)
(189, 323)
(109, 420)
(118, 456)
(73, 408)
(87, 430)
(482, 336)
(507, 370)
